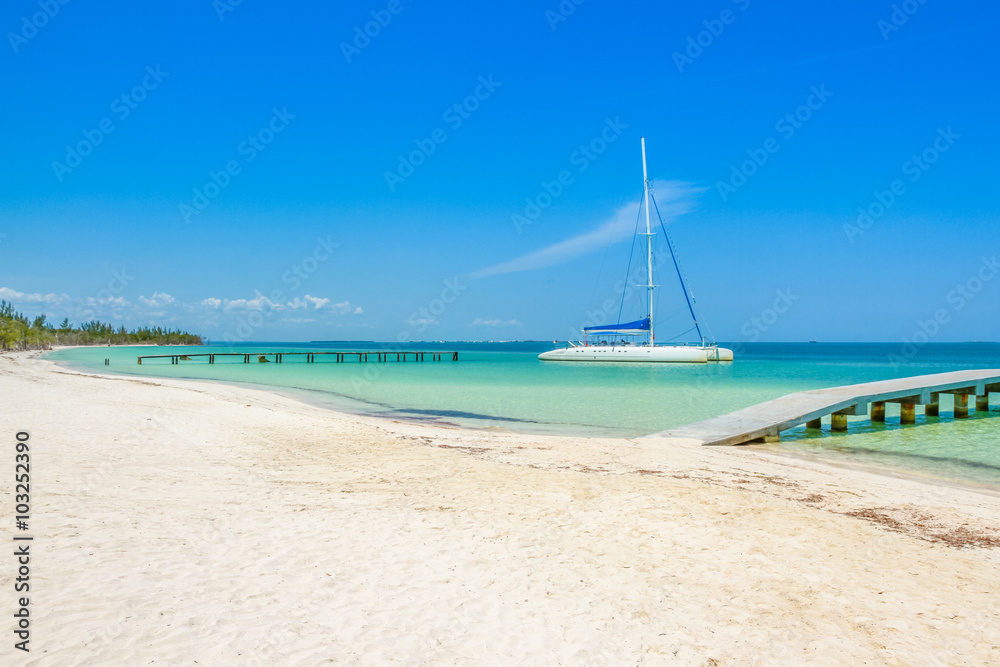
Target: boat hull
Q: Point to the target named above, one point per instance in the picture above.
(682, 354)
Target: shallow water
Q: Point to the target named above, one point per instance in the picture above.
(503, 385)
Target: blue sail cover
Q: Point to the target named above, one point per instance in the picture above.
(628, 328)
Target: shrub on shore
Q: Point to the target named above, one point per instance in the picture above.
(18, 333)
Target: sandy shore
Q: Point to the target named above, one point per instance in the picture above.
(179, 522)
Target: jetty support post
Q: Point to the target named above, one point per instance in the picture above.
(983, 403)
(933, 408)
(772, 435)
(961, 406)
(878, 411)
(907, 413)
(838, 421)
(815, 424)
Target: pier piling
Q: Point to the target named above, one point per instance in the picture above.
(907, 413)
(339, 357)
(838, 422)
(961, 406)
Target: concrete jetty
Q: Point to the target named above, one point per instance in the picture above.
(765, 421)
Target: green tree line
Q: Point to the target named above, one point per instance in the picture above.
(17, 332)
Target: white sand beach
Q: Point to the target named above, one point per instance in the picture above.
(183, 522)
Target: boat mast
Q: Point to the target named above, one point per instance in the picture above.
(649, 245)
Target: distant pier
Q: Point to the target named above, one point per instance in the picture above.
(379, 356)
(765, 421)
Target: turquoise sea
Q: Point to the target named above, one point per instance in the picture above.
(503, 385)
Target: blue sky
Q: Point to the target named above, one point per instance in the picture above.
(261, 171)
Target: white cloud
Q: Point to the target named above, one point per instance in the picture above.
(308, 301)
(496, 322)
(164, 307)
(305, 304)
(116, 301)
(674, 199)
(15, 297)
(259, 302)
(158, 299)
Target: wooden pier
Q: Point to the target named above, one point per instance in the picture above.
(765, 421)
(380, 356)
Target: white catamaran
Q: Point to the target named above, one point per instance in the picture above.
(621, 350)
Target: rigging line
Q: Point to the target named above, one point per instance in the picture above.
(663, 319)
(670, 315)
(604, 258)
(629, 267)
(711, 336)
(684, 333)
(677, 266)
